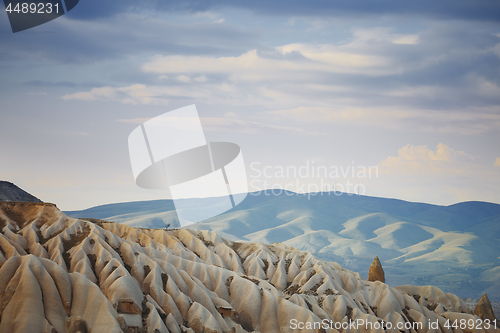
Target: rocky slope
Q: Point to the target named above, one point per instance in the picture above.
(11, 192)
(61, 274)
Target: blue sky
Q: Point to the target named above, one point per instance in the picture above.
(412, 88)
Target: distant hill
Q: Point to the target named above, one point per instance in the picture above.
(454, 247)
(10, 192)
(140, 214)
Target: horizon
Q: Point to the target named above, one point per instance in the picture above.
(305, 194)
(256, 193)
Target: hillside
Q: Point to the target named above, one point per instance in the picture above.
(454, 247)
(11, 192)
(63, 274)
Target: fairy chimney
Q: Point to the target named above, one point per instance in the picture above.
(376, 271)
(483, 309)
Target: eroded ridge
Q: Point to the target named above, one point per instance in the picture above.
(60, 274)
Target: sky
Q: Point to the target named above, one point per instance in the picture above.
(394, 99)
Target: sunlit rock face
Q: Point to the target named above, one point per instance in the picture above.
(376, 272)
(60, 274)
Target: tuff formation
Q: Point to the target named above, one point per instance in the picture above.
(484, 309)
(61, 274)
(376, 272)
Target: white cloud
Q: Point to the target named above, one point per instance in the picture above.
(383, 35)
(334, 57)
(299, 82)
(408, 39)
(160, 95)
(420, 160)
(209, 14)
(134, 94)
(497, 162)
(253, 66)
(422, 153)
(183, 78)
(467, 122)
(443, 175)
(201, 78)
(210, 93)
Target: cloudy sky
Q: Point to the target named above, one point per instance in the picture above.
(410, 89)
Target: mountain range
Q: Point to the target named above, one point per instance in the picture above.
(454, 247)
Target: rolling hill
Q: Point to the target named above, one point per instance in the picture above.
(454, 247)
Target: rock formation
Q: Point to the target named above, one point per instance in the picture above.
(10, 192)
(376, 272)
(483, 308)
(61, 274)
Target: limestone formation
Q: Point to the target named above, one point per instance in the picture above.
(483, 308)
(60, 274)
(376, 272)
